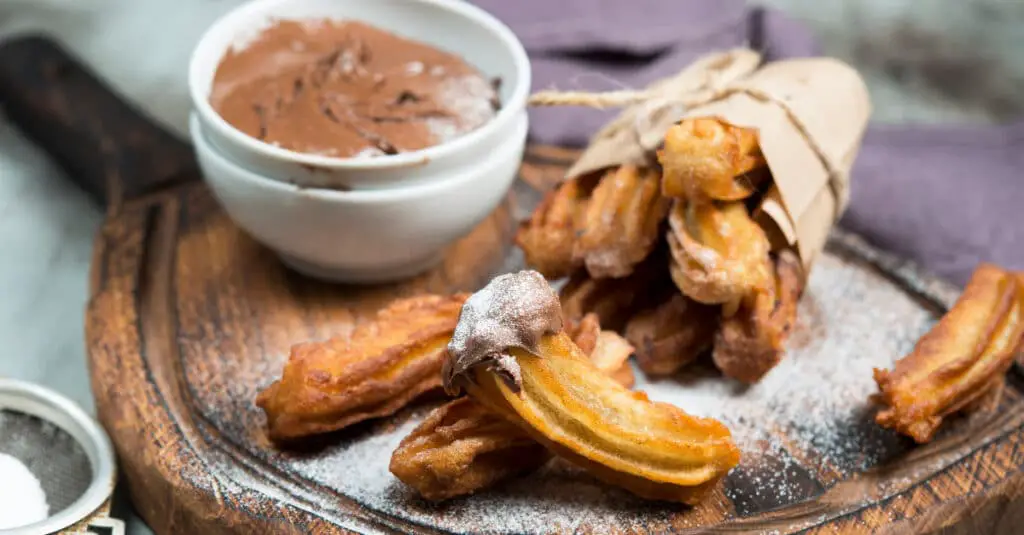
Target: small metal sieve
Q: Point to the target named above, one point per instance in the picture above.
(67, 451)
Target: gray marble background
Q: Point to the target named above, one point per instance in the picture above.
(926, 61)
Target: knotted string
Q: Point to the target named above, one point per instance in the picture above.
(721, 77)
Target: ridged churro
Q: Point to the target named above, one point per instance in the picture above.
(622, 222)
(519, 363)
(463, 447)
(959, 361)
(709, 159)
(376, 371)
(751, 341)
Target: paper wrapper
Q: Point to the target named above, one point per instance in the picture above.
(810, 115)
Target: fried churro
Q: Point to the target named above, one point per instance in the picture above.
(611, 357)
(719, 254)
(607, 350)
(548, 237)
(376, 371)
(622, 222)
(959, 361)
(584, 331)
(616, 300)
(751, 341)
(463, 447)
(709, 159)
(672, 334)
(518, 362)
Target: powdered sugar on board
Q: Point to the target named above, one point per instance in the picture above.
(819, 392)
(852, 319)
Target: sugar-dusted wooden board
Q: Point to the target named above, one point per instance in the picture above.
(189, 318)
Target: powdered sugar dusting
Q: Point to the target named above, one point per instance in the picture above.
(817, 399)
(471, 99)
(22, 499)
(513, 310)
(559, 497)
(852, 319)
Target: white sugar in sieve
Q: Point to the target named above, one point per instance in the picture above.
(67, 451)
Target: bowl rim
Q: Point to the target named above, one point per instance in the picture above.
(508, 112)
(370, 196)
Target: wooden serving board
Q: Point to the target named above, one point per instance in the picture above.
(189, 318)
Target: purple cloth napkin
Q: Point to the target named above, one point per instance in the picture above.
(945, 197)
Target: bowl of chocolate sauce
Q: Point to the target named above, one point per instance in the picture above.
(358, 139)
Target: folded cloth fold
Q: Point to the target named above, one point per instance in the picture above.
(946, 197)
(603, 45)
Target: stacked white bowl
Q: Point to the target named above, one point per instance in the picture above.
(368, 219)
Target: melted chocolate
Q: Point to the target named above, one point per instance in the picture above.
(513, 310)
(347, 89)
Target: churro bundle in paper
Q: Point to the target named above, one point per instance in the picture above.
(753, 162)
(809, 116)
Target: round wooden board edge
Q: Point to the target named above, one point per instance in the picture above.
(125, 248)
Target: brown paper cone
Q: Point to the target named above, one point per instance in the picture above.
(634, 134)
(810, 115)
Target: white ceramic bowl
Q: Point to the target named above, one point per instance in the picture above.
(361, 236)
(453, 25)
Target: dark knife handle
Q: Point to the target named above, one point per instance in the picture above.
(105, 145)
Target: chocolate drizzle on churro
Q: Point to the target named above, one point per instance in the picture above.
(513, 310)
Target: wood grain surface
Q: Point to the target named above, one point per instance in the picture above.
(189, 318)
